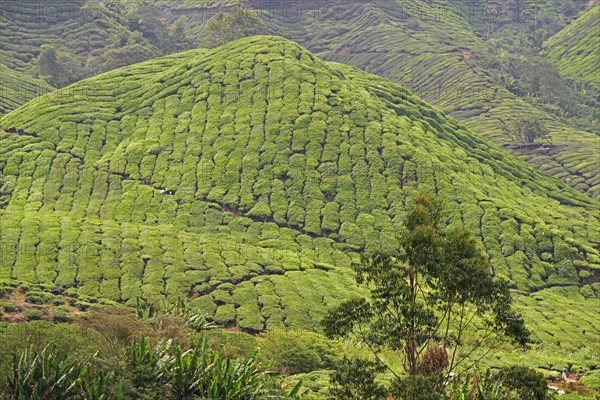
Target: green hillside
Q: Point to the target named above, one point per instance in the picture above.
(91, 37)
(17, 89)
(436, 49)
(440, 61)
(514, 23)
(439, 49)
(575, 48)
(249, 177)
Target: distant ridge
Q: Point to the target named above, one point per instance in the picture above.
(17, 89)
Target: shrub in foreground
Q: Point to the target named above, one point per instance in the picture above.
(161, 371)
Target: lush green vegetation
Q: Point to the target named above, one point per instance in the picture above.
(17, 89)
(446, 52)
(527, 129)
(62, 43)
(226, 27)
(80, 32)
(486, 58)
(249, 177)
(109, 353)
(423, 299)
(575, 49)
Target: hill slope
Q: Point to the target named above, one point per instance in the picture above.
(17, 89)
(249, 176)
(434, 48)
(93, 38)
(575, 48)
(429, 49)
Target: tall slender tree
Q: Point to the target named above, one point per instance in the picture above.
(424, 298)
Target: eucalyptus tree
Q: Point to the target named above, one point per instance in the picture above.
(423, 300)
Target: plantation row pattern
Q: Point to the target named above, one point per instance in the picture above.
(17, 89)
(229, 281)
(431, 48)
(575, 48)
(250, 176)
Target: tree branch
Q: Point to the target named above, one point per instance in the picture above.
(364, 339)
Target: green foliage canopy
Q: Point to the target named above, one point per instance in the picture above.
(527, 129)
(226, 27)
(427, 294)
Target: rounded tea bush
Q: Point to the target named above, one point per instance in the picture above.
(32, 315)
(34, 299)
(61, 316)
(9, 307)
(584, 274)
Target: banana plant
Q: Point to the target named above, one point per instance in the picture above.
(188, 371)
(203, 373)
(145, 310)
(197, 373)
(460, 390)
(98, 387)
(143, 353)
(478, 387)
(45, 375)
(239, 380)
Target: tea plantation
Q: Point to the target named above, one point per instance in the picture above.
(436, 49)
(575, 48)
(249, 176)
(17, 89)
(86, 31)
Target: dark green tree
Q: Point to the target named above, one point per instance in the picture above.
(126, 50)
(226, 27)
(58, 66)
(423, 299)
(44, 375)
(178, 40)
(527, 129)
(523, 383)
(355, 380)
